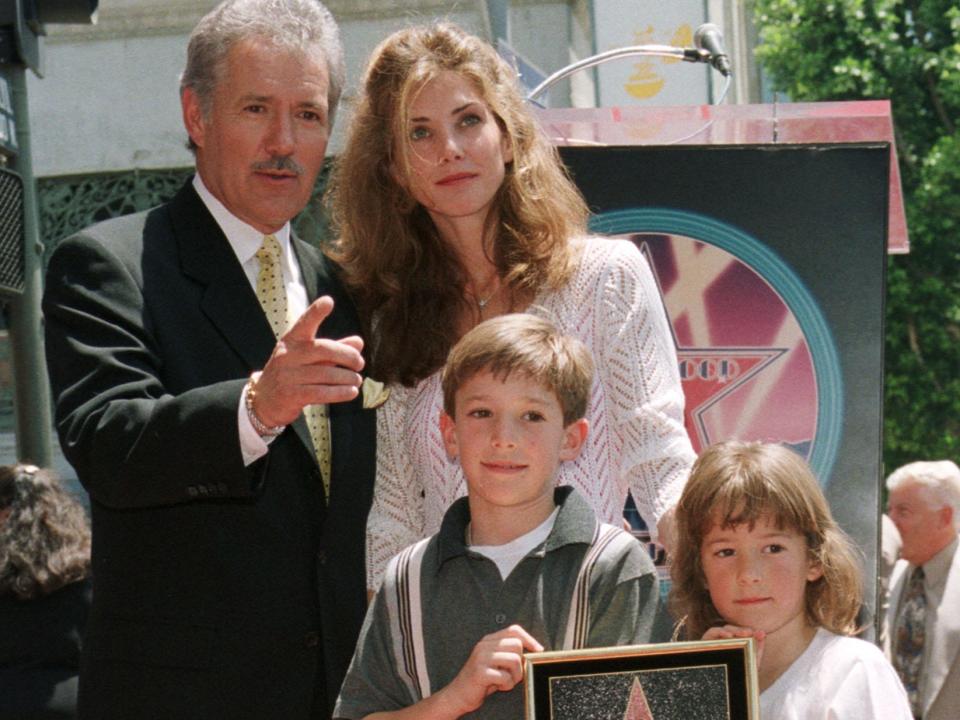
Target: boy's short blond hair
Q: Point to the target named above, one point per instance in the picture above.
(525, 344)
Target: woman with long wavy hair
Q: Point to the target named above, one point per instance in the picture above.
(451, 207)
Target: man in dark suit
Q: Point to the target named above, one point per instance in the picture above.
(228, 582)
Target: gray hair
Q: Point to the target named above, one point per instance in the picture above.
(940, 480)
(296, 25)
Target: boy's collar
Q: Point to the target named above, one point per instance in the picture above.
(575, 524)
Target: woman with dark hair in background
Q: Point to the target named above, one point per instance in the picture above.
(44, 594)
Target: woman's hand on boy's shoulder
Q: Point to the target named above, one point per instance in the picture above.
(727, 632)
(496, 664)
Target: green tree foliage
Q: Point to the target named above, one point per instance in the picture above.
(907, 51)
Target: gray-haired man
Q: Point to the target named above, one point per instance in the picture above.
(206, 371)
(922, 627)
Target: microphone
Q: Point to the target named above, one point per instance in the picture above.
(709, 38)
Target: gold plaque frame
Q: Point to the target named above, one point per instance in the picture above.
(708, 680)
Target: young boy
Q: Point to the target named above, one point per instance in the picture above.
(519, 565)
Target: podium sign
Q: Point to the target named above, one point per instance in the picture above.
(647, 81)
(770, 260)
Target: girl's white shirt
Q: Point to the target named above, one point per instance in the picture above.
(837, 678)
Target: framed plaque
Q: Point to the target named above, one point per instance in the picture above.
(703, 680)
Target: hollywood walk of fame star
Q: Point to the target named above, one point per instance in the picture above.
(709, 374)
(637, 706)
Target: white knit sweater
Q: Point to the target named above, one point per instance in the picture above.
(636, 438)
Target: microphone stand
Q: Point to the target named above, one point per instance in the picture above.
(688, 54)
(685, 54)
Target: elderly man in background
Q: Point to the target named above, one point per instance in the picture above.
(206, 372)
(922, 636)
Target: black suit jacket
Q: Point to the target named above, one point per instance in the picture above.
(220, 591)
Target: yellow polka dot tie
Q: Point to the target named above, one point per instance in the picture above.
(270, 288)
(273, 298)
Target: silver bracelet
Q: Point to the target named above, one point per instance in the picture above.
(249, 395)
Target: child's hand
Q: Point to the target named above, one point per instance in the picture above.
(495, 664)
(725, 632)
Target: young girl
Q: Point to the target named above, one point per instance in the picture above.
(760, 555)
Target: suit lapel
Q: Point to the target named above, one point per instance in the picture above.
(897, 580)
(311, 268)
(946, 640)
(232, 307)
(319, 279)
(310, 264)
(228, 301)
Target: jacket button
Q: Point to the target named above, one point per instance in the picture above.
(311, 639)
(322, 556)
(500, 618)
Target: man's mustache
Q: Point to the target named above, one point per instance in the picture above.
(280, 162)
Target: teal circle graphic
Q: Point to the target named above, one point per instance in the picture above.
(765, 262)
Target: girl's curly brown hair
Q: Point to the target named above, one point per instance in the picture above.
(44, 534)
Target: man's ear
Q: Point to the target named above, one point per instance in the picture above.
(448, 429)
(946, 516)
(193, 117)
(574, 436)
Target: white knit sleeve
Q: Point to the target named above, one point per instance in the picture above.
(396, 515)
(637, 361)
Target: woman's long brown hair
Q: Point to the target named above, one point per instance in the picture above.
(407, 282)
